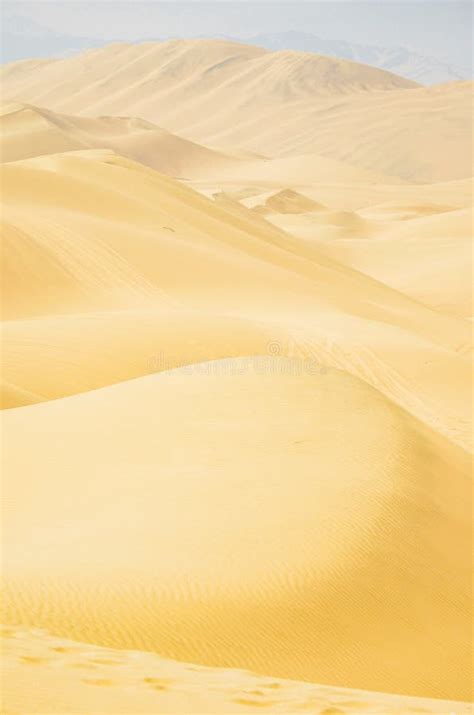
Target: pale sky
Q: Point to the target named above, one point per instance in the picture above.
(440, 28)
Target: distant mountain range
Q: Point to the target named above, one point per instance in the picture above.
(399, 60)
(22, 38)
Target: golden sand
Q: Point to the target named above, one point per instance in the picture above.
(236, 367)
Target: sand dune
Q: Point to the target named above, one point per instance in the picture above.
(154, 447)
(356, 130)
(69, 675)
(302, 216)
(400, 210)
(301, 170)
(393, 241)
(100, 189)
(99, 234)
(288, 202)
(236, 372)
(50, 357)
(444, 282)
(365, 198)
(356, 196)
(381, 132)
(27, 131)
(198, 68)
(273, 103)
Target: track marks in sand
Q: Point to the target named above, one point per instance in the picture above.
(366, 455)
(158, 683)
(147, 683)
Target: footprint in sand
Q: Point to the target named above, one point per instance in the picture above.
(101, 682)
(62, 649)
(83, 666)
(8, 632)
(254, 703)
(32, 660)
(273, 686)
(158, 683)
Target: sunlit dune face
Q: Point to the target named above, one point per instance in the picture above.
(236, 344)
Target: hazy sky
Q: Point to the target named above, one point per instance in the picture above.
(441, 28)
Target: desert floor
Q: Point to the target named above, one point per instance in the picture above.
(236, 380)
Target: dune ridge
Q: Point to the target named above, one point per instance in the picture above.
(273, 103)
(124, 604)
(236, 379)
(27, 131)
(90, 265)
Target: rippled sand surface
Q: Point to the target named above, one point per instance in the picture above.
(236, 378)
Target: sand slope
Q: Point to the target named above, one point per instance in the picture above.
(92, 233)
(236, 367)
(27, 131)
(197, 68)
(421, 249)
(161, 447)
(61, 676)
(285, 103)
(399, 258)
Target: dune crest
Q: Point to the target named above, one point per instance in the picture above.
(282, 103)
(101, 234)
(236, 378)
(319, 564)
(27, 131)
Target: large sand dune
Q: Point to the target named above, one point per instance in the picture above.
(236, 367)
(250, 547)
(199, 68)
(275, 103)
(27, 131)
(392, 242)
(398, 258)
(99, 234)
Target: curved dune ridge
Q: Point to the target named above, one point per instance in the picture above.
(197, 67)
(393, 241)
(273, 103)
(27, 131)
(249, 547)
(301, 170)
(289, 202)
(93, 233)
(72, 676)
(236, 367)
(398, 259)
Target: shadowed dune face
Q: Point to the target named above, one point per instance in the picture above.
(234, 299)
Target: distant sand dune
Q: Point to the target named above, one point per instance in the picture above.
(273, 103)
(99, 234)
(236, 367)
(423, 251)
(198, 68)
(27, 131)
